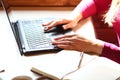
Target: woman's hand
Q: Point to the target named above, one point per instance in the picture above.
(79, 43)
(67, 23)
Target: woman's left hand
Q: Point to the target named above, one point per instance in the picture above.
(73, 42)
(79, 43)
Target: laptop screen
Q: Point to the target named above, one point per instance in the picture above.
(6, 27)
(4, 9)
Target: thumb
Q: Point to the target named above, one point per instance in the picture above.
(67, 26)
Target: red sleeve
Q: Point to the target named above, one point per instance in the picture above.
(112, 52)
(86, 7)
(91, 7)
(102, 5)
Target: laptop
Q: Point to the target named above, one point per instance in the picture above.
(30, 34)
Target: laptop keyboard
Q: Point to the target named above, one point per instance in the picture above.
(35, 35)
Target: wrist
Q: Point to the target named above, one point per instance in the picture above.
(98, 47)
(75, 17)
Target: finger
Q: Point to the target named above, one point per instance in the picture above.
(46, 24)
(52, 24)
(67, 26)
(56, 23)
(64, 47)
(64, 37)
(61, 42)
(67, 47)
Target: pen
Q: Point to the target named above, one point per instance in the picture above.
(81, 58)
(79, 65)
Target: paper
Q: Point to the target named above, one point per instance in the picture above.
(63, 62)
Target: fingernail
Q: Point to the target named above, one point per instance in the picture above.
(64, 27)
(46, 28)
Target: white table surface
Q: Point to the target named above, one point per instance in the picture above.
(15, 64)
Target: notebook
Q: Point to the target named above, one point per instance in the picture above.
(59, 67)
(30, 34)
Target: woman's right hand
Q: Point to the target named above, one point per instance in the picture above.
(66, 23)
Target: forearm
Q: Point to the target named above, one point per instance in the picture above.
(107, 50)
(83, 10)
(97, 46)
(75, 16)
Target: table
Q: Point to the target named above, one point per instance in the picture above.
(15, 64)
